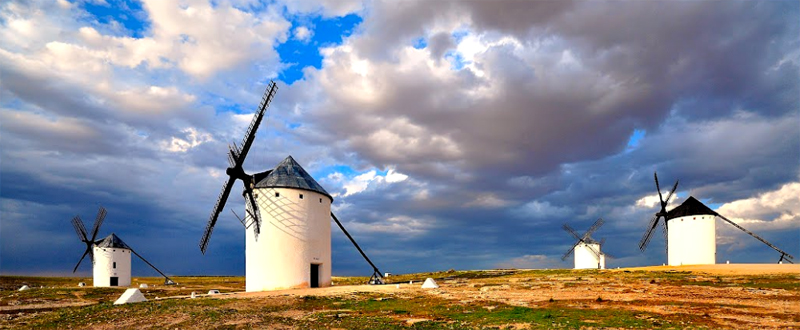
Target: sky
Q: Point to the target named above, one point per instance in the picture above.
(451, 134)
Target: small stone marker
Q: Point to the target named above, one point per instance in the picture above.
(143, 286)
(194, 295)
(24, 288)
(430, 284)
(130, 296)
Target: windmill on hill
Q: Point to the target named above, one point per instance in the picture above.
(690, 231)
(111, 257)
(588, 254)
(287, 220)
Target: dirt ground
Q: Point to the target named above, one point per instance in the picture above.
(716, 292)
(729, 296)
(728, 269)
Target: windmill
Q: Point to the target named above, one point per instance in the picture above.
(587, 250)
(690, 231)
(287, 220)
(111, 257)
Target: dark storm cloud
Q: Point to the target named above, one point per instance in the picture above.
(714, 85)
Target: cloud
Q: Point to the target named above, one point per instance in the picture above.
(514, 118)
(401, 226)
(487, 200)
(192, 139)
(302, 33)
(542, 210)
(773, 210)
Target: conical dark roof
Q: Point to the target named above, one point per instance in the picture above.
(691, 206)
(289, 174)
(112, 241)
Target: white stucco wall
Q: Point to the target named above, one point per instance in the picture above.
(585, 258)
(294, 234)
(691, 240)
(103, 270)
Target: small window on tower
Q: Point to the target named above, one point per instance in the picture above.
(320, 200)
(115, 264)
(301, 196)
(255, 196)
(277, 194)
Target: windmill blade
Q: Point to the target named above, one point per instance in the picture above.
(253, 210)
(572, 232)
(566, 255)
(101, 216)
(374, 268)
(670, 195)
(649, 233)
(783, 253)
(80, 228)
(243, 221)
(221, 200)
(88, 251)
(658, 188)
(233, 155)
(250, 135)
(151, 265)
(593, 228)
(665, 230)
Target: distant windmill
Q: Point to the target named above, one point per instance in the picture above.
(690, 231)
(587, 251)
(287, 220)
(111, 257)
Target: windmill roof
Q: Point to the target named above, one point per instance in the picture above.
(691, 206)
(289, 174)
(112, 241)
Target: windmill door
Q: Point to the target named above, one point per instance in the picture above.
(114, 281)
(314, 276)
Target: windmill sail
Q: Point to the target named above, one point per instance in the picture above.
(236, 157)
(80, 230)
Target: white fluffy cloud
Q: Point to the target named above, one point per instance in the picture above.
(404, 226)
(772, 210)
(303, 33)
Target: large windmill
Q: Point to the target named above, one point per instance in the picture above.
(111, 257)
(588, 254)
(287, 220)
(690, 231)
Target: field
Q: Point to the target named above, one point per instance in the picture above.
(711, 297)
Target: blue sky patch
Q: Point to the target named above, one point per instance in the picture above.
(635, 138)
(345, 170)
(127, 13)
(459, 35)
(457, 61)
(420, 43)
(298, 54)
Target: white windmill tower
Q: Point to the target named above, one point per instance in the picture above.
(690, 231)
(294, 250)
(111, 257)
(287, 220)
(588, 254)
